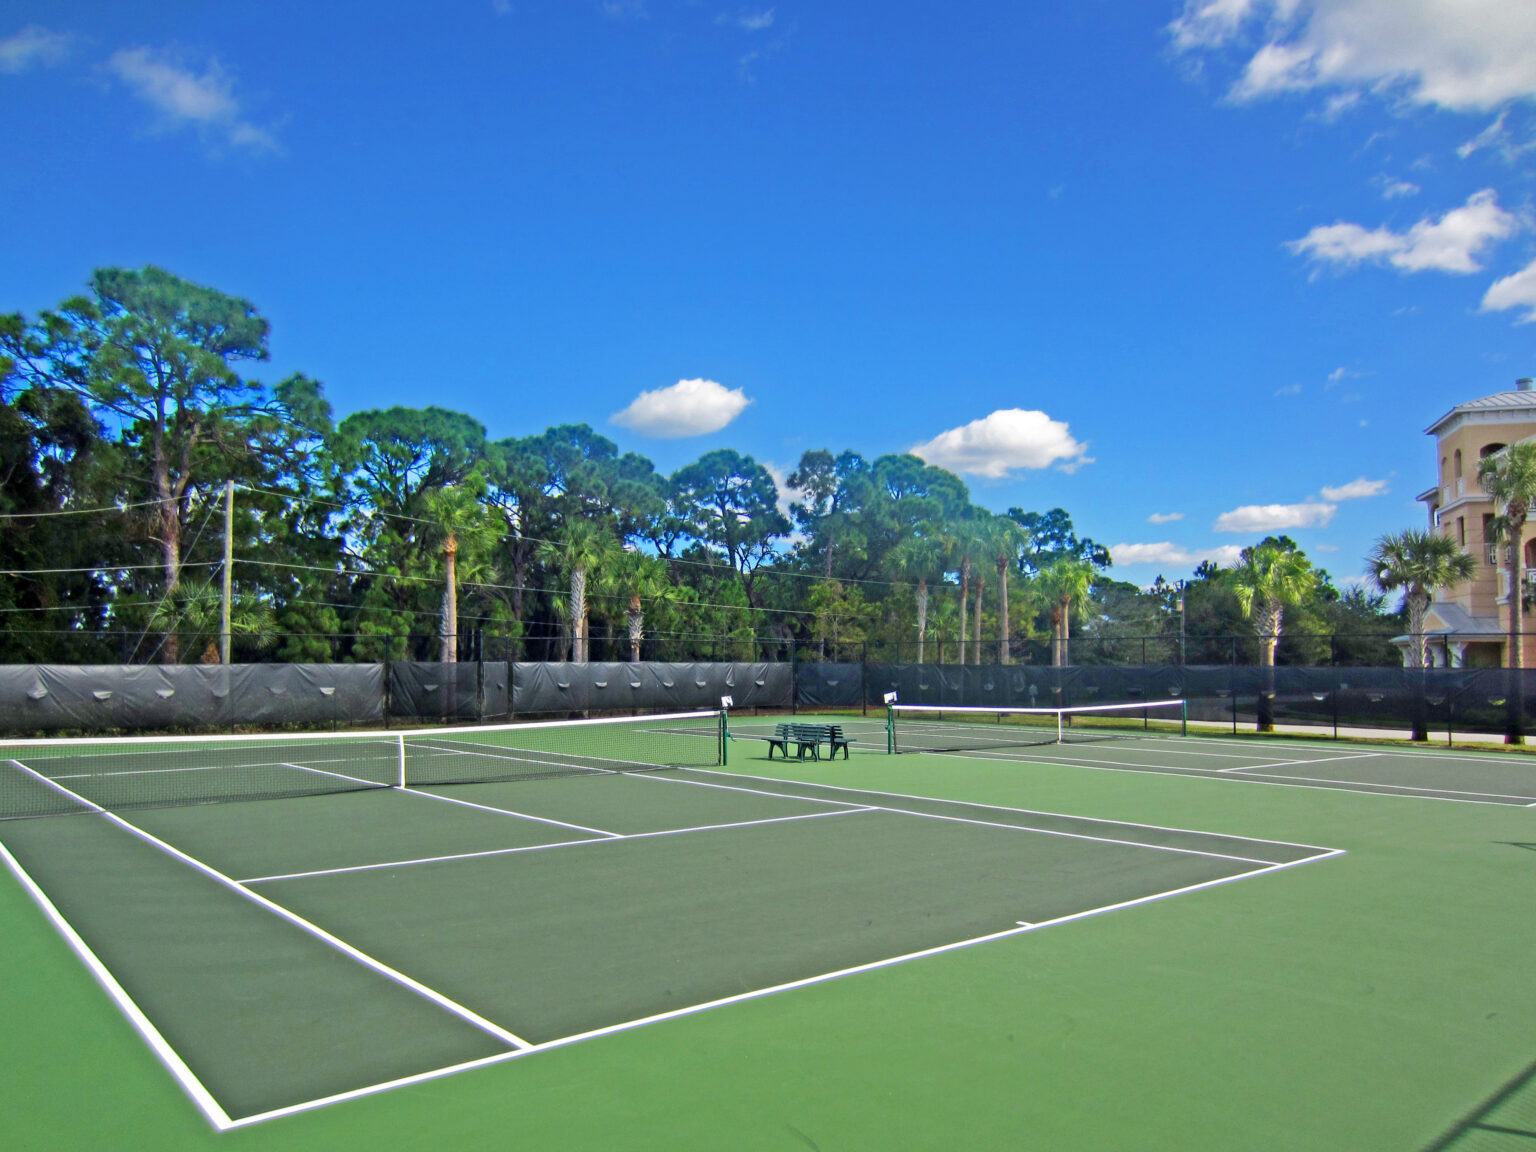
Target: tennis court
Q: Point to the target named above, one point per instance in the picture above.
(1469, 777)
(286, 951)
(1143, 737)
(613, 939)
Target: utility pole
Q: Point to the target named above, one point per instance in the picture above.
(229, 580)
(1180, 587)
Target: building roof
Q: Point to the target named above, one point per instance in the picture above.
(1500, 402)
(1458, 621)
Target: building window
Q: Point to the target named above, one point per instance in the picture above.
(1461, 531)
(1490, 547)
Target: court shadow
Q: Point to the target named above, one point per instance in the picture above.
(1511, 1112)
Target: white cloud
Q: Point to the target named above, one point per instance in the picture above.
(1008, 439)
(1517, 290)
(33, 45)
(1275, 517)
(1288, 390)
(1492, 135)
(206, 102)
(1396, 189)
(1172, 555)
(1209, 23)
(786, 493)
(1164, 517)
(1450, 244)
(1458, 54)
(1355, 490)
(687, 408)
(748, 21)
(625, 10)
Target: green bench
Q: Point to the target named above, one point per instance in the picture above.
(808, 738)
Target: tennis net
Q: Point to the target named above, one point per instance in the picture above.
(56, 777)
(937, 728)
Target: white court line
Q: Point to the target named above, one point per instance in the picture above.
(1299, 763)
(535, 756)
(995, 807)
(804, 982)
(507, 812)
(1448, 793)
(336, 775)
(1364, 788)
(1138, 747)
(1079, 836)
(1316, 783)
(298, 921)
(1016, 827)
(197, 768)
(158, 1044)
(610, 839)
(1323, 744)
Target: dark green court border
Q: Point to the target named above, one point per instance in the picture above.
(589, 929)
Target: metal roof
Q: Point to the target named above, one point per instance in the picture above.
(1499, 401)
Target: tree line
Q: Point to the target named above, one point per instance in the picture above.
(126, 414)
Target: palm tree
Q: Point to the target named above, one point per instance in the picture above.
(583, 545)
(1005, 536)
(1508, 476)
(1418, 563)
(965, 591)
(457, 518)
(915, 559)
(967, 548)
(1064, 582)
(1265, 579)
(981, 588)
(637, 578)
(195, 616)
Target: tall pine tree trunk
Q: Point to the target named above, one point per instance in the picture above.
(1002, 612)
(450, 634)
(965, 593)
(922, 617)
(579, 615)
(981, 587)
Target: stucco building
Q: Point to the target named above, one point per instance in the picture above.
(1468, 625)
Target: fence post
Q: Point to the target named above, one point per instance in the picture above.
(479, 639)
(794, 680)
(864, 678)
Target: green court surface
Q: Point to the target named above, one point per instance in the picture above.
(1147, 943)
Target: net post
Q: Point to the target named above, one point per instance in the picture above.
(1183, 717)
(890, 729)
(400, 746)
(725, 736)
(1060, 734)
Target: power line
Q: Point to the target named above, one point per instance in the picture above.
(78, 511)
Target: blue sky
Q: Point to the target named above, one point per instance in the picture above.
(1194, 272)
